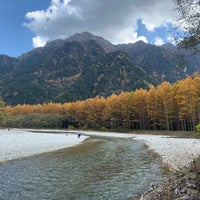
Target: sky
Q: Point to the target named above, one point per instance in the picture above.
(27, 24)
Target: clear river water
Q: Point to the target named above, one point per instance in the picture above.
(108, 169)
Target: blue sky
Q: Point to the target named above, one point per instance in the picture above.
(15, 38)
(26, 24)
(163, 32)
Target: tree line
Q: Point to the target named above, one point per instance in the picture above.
(164, 107)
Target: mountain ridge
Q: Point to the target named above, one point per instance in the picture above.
(84, 66)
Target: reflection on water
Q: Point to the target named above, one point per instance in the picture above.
(104, 169)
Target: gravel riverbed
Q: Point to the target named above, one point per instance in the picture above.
(176, 152)
(15, 144)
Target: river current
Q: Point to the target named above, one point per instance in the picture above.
(109, 169)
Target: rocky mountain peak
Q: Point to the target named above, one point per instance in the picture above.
(86, 36)
(55, 43)
(169, 47)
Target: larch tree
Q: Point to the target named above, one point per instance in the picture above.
(166, 95)
(186, 99)
(140, 118)
(153, 107)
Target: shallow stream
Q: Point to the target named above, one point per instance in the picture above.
(114, 169)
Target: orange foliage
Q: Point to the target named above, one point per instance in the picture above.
(167, 106)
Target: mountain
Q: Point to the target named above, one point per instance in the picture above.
(70, 71)
(7, 64)
(84, 66)
(163, 63)
(86, 36)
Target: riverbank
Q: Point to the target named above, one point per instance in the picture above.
(16, 144)
(176, 151)
(20, 143)
(180, 154)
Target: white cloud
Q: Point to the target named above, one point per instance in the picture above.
(128, 36)
(142, 38)
(159, 41)
(38, 41)
(159, 13)
(114, 20)
(171, 39)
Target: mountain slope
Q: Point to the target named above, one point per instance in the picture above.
(85, 65)
(111, 73)
(163, 63)
(70, 72)
(7, 64)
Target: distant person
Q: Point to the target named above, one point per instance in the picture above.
(79, 135)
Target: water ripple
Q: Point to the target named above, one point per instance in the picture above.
(105, 169)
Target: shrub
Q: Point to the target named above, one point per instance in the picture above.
(198, 127)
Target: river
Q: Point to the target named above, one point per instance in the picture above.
(114, 169)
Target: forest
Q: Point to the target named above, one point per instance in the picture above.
(174, 107)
